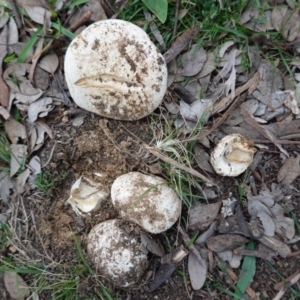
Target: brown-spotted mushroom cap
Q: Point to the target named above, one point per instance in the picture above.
(232, 155)
(146, 200)
(113, 69)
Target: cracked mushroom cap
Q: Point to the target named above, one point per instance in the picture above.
(116, 254)
(146, 200)
(113, 69)
(232, 155)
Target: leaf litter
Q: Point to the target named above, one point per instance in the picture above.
(216, 80)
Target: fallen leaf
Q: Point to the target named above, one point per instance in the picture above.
(3, 19)
(209, 66)
(6, 185)
(193, 61)
(39, 15)
(180, 43)
(20, 181)
(289, 171)
(197, 272)
(18, 157)
(15, 130)
(203, 237)
(151, 245)
(290, 25)
(227, 67)
(79, 119)
(278, 13)
(40, 108)
(225, 242)
(49, 63)
(202, 215)
(292, 103)
(15, 285)
(4, 113)
(202, 159)
(4, 91)
(224, 47)
(172, 107)
(13, 35)
(249, 14)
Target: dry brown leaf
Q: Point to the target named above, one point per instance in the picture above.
(39, 108)
(278, 14)
(35, 58)
(202, 215)
(4, 113)
(15, 130)
(193, 61)
(227, 67)
(3, 19)
(6, 185)
(15, 285)
(4, 91)
(202, 159)
(201, 240)
(151, 245)
(13, 35)
(49, 63)
(209, 66)
(197, 272)
(18, 157)
(224, 47)
(249, 14)
(225, 242)
(39, 15)
(291, 25)
(180, 43)
(289, 171)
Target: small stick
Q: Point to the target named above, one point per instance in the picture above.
(176, 18)
(114, 16)
(82, 20)
(178, 165)
(16, 13)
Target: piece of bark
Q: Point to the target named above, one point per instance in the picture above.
(4, 91)
(276, 245)
(225, 242)
(180, 43)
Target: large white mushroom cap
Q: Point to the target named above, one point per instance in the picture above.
(116, 254)
(146, 200)
(113, 69)
(232, 155)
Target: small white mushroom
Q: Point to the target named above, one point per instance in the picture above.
(116, 254)
(146, 200)
(113, 69)
(232, 155)
(86, 194)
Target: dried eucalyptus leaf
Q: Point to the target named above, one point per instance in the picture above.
(151, 245)
(13, 35)
(39, 109)
(6, 185)
(197, 272)
(193, 61)
(18, 157)
(15, 285)
(49, 63)
(39, 15)
(289, 171)
(225, 242)
(15, 130)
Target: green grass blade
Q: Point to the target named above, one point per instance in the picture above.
(246, 274)
(64, 30)
(29, 45)
(81, 256)
(159, 8)
(105, 292)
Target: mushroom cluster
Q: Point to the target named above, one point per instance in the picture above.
(113, 69)
(142, 199)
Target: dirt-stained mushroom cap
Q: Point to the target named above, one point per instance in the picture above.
(116, 254)
(146, 200)
(113, 69)
(232, 155)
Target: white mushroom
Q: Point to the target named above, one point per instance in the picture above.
(116, 254)
(146, 200)
(86, 194)
(232, 155)
(113, 69)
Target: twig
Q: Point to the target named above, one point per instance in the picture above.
(292, 281)
(114, 16)
(173, 162)
(50, 157)
(176, 18)
(16, 13)
(220, 121)
(82, 20)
